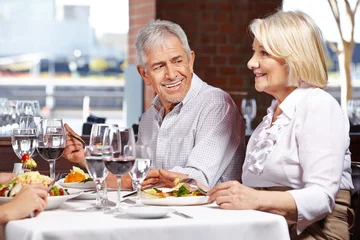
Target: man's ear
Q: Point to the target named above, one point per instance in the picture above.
(144, 75)
(191, 61)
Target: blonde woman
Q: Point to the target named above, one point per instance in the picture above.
(297, 160)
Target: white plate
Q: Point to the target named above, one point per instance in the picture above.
(86, 196)
(174, 201)
(53, 201)
(148, 212)
(78, 185)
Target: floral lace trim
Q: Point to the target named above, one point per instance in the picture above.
(265, 141)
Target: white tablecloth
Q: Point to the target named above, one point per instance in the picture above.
(209, 222)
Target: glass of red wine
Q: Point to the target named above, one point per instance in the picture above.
(122, 141)
(51, 141)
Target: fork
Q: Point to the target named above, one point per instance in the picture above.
(193, 182)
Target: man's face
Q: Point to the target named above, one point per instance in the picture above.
(168, 70)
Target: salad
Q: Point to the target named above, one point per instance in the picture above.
(11, 188)
(180, 190)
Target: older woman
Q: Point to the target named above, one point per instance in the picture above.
(297, 161)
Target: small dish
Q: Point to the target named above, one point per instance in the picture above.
(148, 212)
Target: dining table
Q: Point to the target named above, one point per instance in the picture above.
(71, 221)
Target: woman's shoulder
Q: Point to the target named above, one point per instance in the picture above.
(318, 96)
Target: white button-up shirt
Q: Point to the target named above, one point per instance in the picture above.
(203, 136)
(306, 149)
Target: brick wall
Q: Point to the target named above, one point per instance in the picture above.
(216, 30)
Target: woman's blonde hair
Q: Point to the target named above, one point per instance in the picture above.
(296, 38)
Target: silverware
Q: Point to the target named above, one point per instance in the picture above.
(182, 214)
(134, 192)
(77, 138)
(193, 182)
(53, 182)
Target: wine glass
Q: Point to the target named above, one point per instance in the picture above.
(140, 169)
(23, 142)
(248, 110)
(51, 141)
(124, 159)
(96, 138)
(95, 155)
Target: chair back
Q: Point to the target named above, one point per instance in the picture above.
(355, 199)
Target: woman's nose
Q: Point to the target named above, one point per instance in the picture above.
(253, 63)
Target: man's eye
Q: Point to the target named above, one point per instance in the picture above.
(178, 61)
(157, 68)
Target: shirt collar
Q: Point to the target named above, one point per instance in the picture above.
(288, 106)
(196, 85)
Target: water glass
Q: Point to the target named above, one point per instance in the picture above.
(94, 158)
(140, 169)
(23, 141)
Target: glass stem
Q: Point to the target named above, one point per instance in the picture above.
(105, 197)
(118, 181)
(98, 197)
(139, 200)
(52, 168)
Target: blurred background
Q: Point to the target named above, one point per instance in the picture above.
(77, 57)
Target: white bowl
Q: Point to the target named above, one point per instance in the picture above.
(78, 185)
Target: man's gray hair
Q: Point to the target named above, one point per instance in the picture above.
(154, 33)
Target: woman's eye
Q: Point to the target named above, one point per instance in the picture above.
(264, 53)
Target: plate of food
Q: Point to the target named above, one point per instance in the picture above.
(148, 212)
(182, 194)
(77, 178)
(57, 195)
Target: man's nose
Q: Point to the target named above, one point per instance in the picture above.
(171, 72)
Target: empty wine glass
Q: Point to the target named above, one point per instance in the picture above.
(51, 141)
(23, 142)
(248, 110)
(140, 169)
(94, 157)
(124, 159)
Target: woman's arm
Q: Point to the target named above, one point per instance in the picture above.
(234, 195)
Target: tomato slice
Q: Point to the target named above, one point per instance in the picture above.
(2, 192)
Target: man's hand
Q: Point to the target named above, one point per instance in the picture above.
(156, 176)
(74, 151)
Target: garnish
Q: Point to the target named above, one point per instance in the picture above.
(181, 192)
(28, 161)
(77, 175)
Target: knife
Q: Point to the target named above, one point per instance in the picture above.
(149, 187)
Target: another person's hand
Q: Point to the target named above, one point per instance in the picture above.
(152, 177)
(31, 198)
(166, 177)
(234, 195)
(125, 181)
(74, 151)
(6, 177)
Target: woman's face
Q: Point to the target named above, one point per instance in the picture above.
(270, 72)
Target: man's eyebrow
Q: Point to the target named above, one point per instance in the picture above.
(157, 63)
(175, 58)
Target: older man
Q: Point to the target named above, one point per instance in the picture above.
(192, 128)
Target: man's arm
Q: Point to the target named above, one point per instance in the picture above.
(219, 143)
